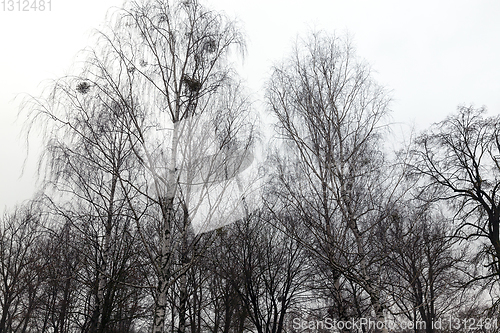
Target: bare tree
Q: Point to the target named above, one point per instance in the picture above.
(173, 54)
(458, 159)
(86, 150)
(215, 281)
(159, 85)
(60, 294)
(21, 235)
(330, 114)
(427, 269)
(267, 269)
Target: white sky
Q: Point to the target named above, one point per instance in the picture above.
(433, 55)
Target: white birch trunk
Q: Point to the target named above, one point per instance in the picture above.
(370, 286)
(167, 207)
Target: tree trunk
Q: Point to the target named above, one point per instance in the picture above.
(379, 313)
(164, 269)
(5, 311)
(98, 325)
(183, 293)
(370, 287)
(167, 210)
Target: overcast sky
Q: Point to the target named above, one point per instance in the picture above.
(433, 56)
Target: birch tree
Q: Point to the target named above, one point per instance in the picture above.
(330, 114)
(161, 73)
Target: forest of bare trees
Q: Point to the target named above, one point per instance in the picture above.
(163, 206)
